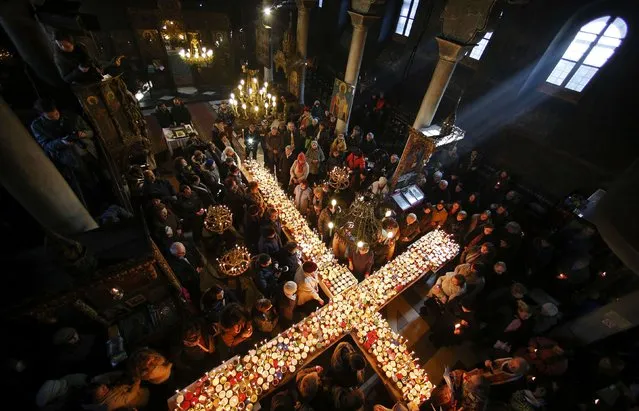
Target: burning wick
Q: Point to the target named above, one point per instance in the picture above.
(388, 213)
(457, 326)
(596, 401)
(562, 276)
(390, 234)
(331, 225)
(333, 202)
(533, 378)
(360, 244)
(603, 274)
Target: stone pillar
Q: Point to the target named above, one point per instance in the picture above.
(27, 35)
(450, 53)
(303, 16)
(29, 175)
(361, 22)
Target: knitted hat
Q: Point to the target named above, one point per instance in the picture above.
(549, 310)
(290, 288)
(209, 162)
(309, 267)
(309, 385)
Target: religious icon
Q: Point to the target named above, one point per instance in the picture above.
(342, 99)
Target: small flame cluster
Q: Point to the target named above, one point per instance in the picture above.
(235, 262)
(219, 218)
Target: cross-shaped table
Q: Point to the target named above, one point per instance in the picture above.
(354, 308)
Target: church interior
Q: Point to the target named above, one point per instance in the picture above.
(319, 204)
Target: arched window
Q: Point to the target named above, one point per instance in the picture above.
(595, 43)
(406, 17)
(478, 50)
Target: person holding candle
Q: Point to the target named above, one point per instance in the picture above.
(457, 226)
(288, 257)
(308, 287)
(272, 219)
(149, 365)
(251, 141)
(482, 254)
(236, 328)
(360, 261)
(265, 317)
(286, 304)
(325, 219)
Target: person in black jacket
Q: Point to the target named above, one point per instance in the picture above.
(287, 257)
(67, 140)
(180, 113)
(190, 208)
(369, 145)
(251, 226)
(163, 115)
(214, 300)
(157, 188)
(73, 60)
(187, 267)
(202, 191)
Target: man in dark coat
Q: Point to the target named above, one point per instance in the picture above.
(269, 242)
(187, 267)
(190, 208)
(67, 140)
(286, 162)
(163, 115)
(179, 112)
(73, 60)
(369, 145)
(265, 276)
(274, 146)
(287, 257)
(157, 188)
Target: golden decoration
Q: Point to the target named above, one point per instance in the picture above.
(338, 178)
(218, 219)
(235, 262)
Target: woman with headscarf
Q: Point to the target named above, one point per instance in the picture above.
(380, 187)
(299, 169)
(229, 152)
(315, 157)
(339, 144)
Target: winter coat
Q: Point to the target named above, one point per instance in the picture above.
(313, 155)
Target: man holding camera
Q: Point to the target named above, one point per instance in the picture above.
(74, 63)
(67, 140)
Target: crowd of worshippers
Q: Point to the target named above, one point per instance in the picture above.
(495, 268)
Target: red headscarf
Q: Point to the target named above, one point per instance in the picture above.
(301, 160)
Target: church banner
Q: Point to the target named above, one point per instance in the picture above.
(342, 99)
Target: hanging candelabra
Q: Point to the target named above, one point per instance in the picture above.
(196, 54)
(253, 100)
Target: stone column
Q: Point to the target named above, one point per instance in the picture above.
(29, 175)
(450, 53)
(361, 22)
(303, 16)
(27, 35)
